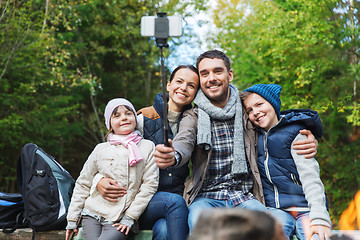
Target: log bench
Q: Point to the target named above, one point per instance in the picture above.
(26, 234)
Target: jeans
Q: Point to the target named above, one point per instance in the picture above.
(200, 204)
(167, 216)
(298, 224)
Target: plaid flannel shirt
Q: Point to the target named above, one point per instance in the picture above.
(219, 183)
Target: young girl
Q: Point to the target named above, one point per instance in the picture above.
(292, 186)
(127, 158)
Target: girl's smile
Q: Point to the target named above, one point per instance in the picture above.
(123, 122)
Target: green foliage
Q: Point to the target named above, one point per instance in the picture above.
(311, 49)
(340, 173)
(61, 62)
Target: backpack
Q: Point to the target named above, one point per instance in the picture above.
(11, 210)
(46, 188)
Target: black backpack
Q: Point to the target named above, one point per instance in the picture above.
(11, 211)
(46, 189)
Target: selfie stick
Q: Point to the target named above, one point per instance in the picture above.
(165, 105)
(159, 27)
(161, 36)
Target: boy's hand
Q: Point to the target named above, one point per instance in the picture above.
(324, 232)
(110, 190)
(122, 228)
(306, 147)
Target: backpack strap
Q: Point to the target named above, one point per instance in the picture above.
(21, 222)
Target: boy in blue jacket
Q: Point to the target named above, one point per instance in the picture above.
(293, 190)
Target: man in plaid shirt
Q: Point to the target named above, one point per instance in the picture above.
(221, 142)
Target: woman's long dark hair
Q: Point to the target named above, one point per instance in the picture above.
(190, 67)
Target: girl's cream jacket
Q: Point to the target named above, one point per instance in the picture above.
(141, 182)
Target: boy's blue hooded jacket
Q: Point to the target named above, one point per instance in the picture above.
(281, 183)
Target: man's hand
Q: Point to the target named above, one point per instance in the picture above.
(324, 232)
(164, 156)
(306, 147)
(110, 190)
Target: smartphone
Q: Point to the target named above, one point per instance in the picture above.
(148, 26)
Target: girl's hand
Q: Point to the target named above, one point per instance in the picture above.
(122, 228)
(324, 232)
(69, 231)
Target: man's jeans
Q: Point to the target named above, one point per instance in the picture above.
(167, 216)
(200, 204)
(299, 224)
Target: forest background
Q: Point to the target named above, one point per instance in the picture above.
(61, 61)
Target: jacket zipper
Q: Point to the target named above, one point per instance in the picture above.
(293, 177)
(266, 164)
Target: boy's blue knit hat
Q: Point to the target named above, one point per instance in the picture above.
(270, 92)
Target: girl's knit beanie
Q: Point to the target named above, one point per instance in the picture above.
(112, 104)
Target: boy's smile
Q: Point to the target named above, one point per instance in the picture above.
(261, 112)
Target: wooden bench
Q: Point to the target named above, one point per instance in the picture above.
(353, 234)
(26, 234)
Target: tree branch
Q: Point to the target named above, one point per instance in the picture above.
(96, 116)
(16, 45)
(91, 133)
(3, 13)
(46, 13)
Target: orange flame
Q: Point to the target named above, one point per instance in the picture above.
(350, 218)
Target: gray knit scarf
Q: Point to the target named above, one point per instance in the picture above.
(233, 108)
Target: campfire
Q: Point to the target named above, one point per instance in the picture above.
(349, 223)
(350, 218)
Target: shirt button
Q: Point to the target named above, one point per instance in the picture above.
(170, 174)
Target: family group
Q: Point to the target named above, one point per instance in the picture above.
(244, 152)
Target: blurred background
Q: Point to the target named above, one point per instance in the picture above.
(61, 61)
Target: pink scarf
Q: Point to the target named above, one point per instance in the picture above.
(130, 142)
